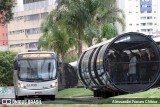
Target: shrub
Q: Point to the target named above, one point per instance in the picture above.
(6, 68)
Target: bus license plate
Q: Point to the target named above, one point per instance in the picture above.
(38, 92)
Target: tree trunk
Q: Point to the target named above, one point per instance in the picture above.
(62, 71)
(79, 43)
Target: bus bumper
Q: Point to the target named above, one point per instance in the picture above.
(29, 92)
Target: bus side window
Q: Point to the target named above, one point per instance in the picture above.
(15, 65)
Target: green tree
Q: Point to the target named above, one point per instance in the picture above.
(80, 14)
(109, 31)
(6, 68)
(70, 56)
(58, 38)
(92, 32)
(6, 13)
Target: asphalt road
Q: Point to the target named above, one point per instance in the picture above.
(8, 93)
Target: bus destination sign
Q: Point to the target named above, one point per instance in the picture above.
(45, 55)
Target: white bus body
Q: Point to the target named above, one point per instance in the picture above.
(35, 74)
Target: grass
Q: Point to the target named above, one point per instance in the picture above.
(152, 93)
(73, 92)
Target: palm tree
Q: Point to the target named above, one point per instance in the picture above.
(80, 14)
(56, 37)
(91, 33)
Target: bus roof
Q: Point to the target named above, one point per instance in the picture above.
(35, 52)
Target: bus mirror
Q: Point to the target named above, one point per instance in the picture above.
(49, 66)
(15, 65)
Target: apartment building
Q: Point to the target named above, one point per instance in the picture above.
(141, 15)
(24, 30)
(3, 37)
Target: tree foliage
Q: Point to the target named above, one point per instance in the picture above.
(6, 68)
(57, 37)
(80, 14)
(92, 32)
(76, 20)
(109, 31)
(6, 13)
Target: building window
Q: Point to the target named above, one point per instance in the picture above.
(146, 11)
(16, 32)
(130, 24)
(149, 11)
(18, 18)
(32, 17)
(143, 18)
(150, 17)
(143, 30)
(3, 43)
(44, 15)
(27, 45)
(149, 30)
(32, 31)
(150, 24)
(145, 0)
(33, 45)
(143, 24)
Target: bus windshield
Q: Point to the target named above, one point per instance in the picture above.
(37, 69)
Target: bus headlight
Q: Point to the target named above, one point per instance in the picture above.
(54, 84)
(20, 85)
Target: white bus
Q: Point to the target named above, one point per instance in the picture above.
(35, 75)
